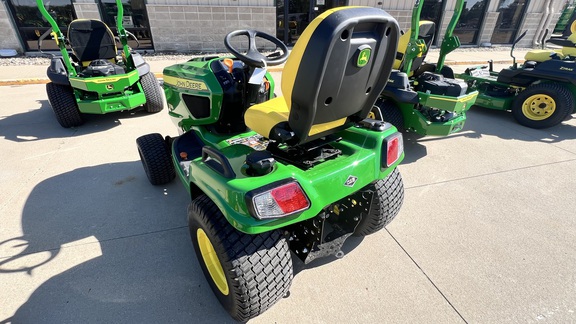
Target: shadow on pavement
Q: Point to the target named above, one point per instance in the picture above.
(349, 245)
(481, 122)
(501, 124)
(144, 269)
(38, 124)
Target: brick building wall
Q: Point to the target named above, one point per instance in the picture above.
(86, 9)
(185, 28)
(8, 37)
(201, 25)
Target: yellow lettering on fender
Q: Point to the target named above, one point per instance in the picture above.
(185, 83)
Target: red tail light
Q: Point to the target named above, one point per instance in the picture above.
(393, 149)
(277, 200)
(290, 197)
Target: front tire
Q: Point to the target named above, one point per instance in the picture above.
(247, 273)
(542, 105)
(155, 157)
(152, 92)
(388, 198)
(64, 105)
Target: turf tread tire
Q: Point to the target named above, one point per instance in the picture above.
(155, 157)
(563, 99)
(258, 268)
(389, 196)
(152, 92)
(64, 105)
(391, 113)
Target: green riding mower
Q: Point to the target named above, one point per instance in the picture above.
(540, 93)
(421, 97)
(92, 78)
(272, 178)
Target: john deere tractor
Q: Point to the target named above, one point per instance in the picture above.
(272, 178)
(91, 77)
(421, 97)
(540, 93)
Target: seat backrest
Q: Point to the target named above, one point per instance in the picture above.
(541, 55)
(426, 32)
(337, 69)
(91, 39)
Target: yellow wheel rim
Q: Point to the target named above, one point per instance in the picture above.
(212, 262)
(538, 107)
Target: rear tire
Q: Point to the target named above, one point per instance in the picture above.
(389, 112)
(247, 273)
(388, 198)
(64, 105)
(152, 92)
(155, 157)
(542, 105)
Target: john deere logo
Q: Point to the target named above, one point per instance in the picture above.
(109, 86)
(350, 181)
(363, 56)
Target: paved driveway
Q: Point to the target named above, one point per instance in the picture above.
(487, 232)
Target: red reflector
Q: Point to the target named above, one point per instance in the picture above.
(290, 197)
(393, 151)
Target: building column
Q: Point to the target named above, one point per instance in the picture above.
(486, 31)
(9, 38)
(533, 18)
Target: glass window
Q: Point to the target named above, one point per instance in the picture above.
(299, 13)
(432, 10)
(31, 24)
(470, 21)
(135, 21)
(509, 19)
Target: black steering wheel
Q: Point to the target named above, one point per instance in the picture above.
(253, 57)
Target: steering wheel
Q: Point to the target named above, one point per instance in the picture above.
(253, 57)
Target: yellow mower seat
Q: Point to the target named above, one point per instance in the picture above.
(568, 49)
(542, 55)
(334, 74)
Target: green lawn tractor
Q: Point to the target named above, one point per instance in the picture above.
(276, 178)
(540, 93)
(92, 78)
(424, 97)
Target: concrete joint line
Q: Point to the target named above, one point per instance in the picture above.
(428, 278)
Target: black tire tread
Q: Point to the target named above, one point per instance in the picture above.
(155, 158)
(258, 267)
(562, 96)
(64, 105)
(391, 113)
(152, 92)
(385, 205)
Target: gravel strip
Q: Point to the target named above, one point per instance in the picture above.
(39, 60)
(42, 60)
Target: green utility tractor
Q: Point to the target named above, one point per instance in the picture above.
(423, 97)
(92, 78)
(276, 177)
(540, 93)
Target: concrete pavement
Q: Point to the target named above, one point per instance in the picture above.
(486, 233)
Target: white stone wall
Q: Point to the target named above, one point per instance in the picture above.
(201, 25)
(8, 38)
(86, 9)
(199, 28)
